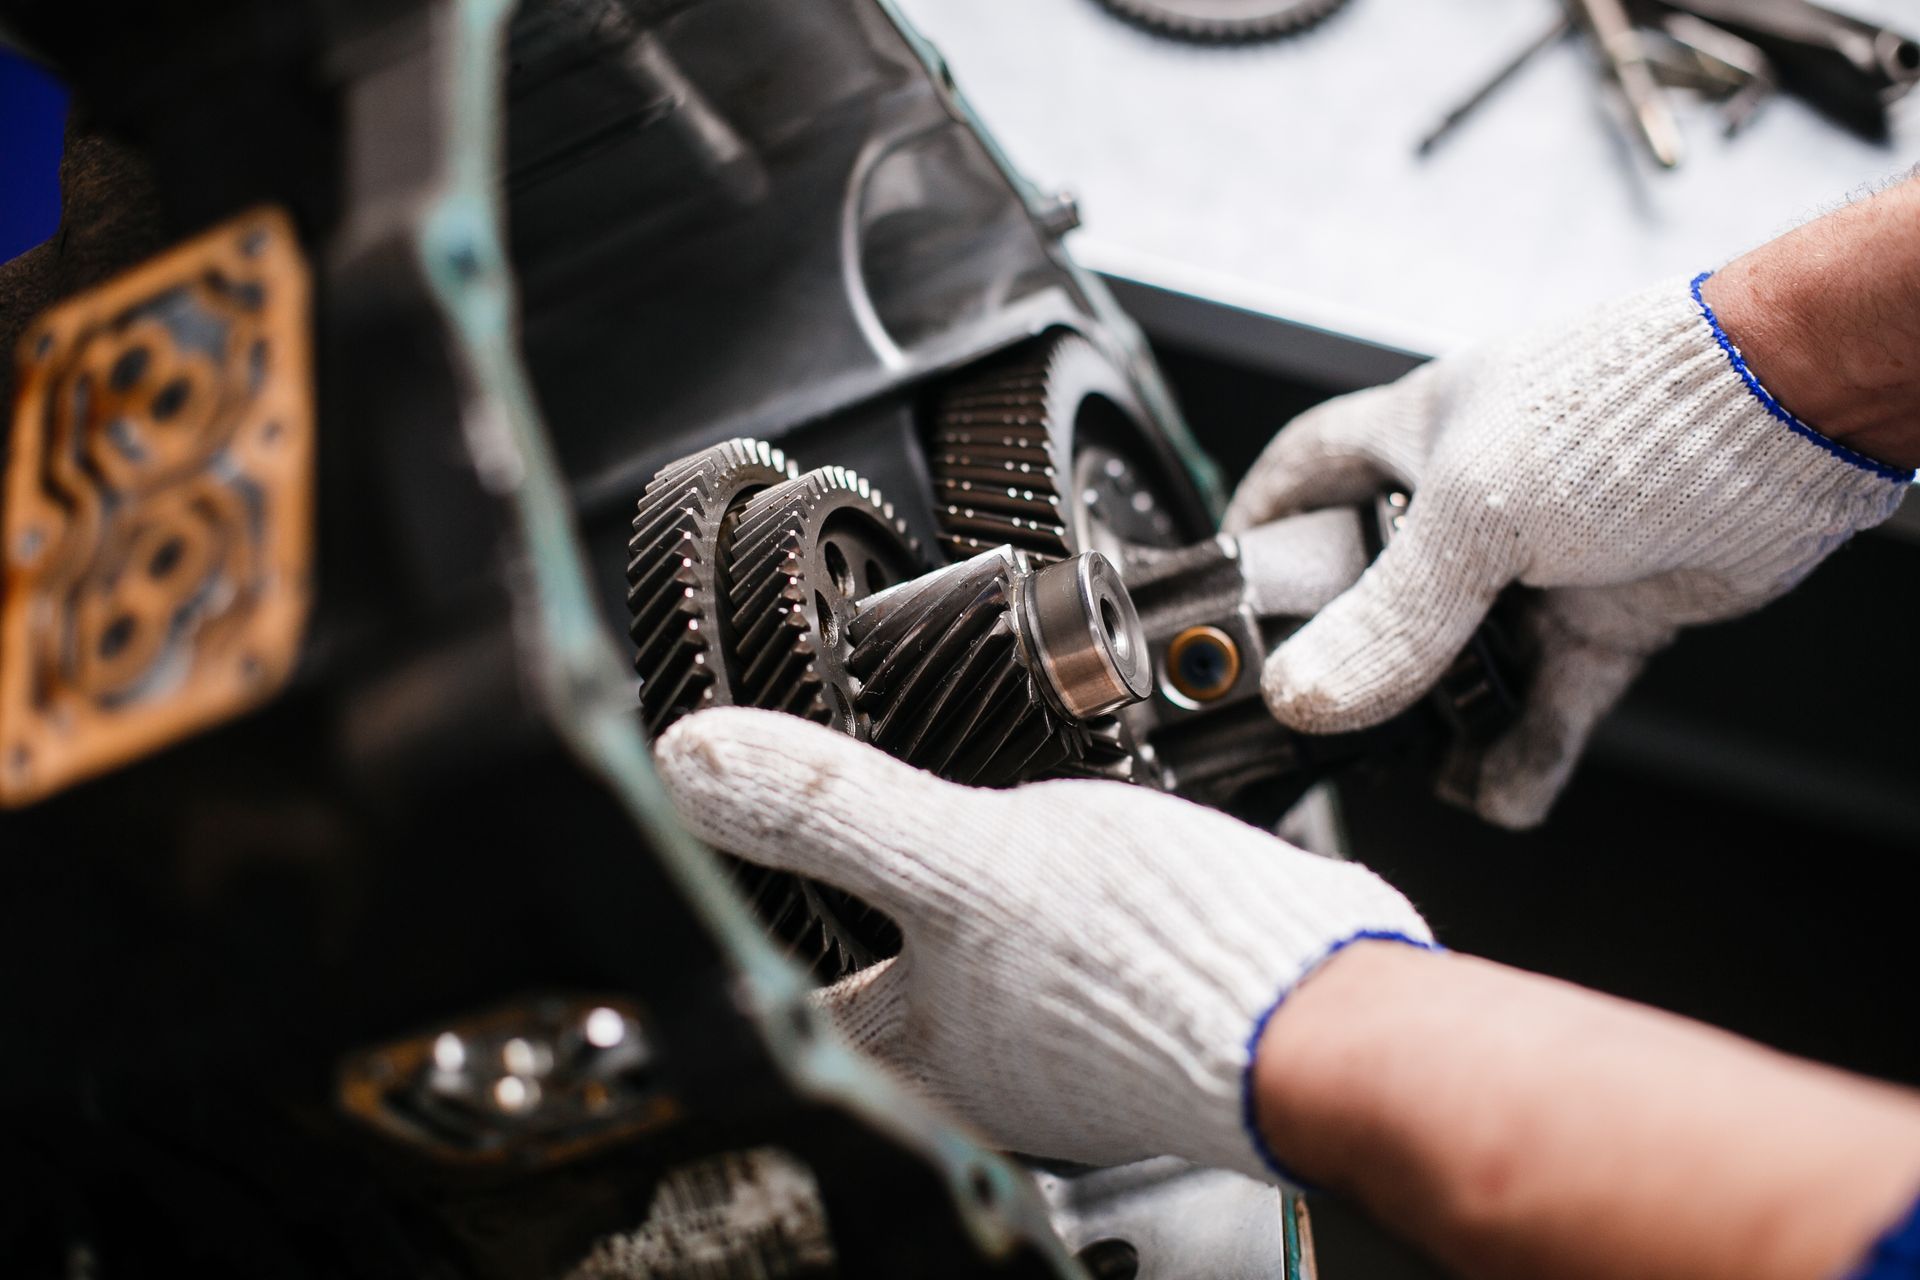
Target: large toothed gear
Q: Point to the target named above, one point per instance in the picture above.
(1033, 453)
(802, 555)
(1224, 21)
(675, 594)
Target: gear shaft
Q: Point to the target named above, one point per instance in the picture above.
(987, 671)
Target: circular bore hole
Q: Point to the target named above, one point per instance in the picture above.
(1907, 54)
(800, 1021)
(980, 1183)
(166, 559)
(839, 570)
(1203, 663)
(170, 399)
(877, 579)
(118, 635)
(1110, 1259)
(129, 368)
(1116, 633)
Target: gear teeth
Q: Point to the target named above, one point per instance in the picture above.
(673, 587)
(782, 648)
(999, 447)
(945, 685)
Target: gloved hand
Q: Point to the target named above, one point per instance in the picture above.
(1087, 965)
(1626, 461)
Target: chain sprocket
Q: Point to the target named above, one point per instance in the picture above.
(674, 591)
(1224, 21)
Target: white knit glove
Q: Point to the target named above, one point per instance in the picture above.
(1627, 461)
(1087, 965)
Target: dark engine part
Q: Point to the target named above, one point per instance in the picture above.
(800, 595)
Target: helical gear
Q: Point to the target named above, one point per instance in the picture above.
(1003, 443)
(802, 555)
(944, 683)
(674, 592)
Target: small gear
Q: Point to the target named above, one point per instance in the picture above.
(802, 554)
(673, 574)
(1224, 21)
(1010, 445)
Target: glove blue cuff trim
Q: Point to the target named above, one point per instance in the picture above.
(1249, 1119)
(1780, 411)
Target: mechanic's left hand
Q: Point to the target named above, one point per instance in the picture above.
(1086, 964)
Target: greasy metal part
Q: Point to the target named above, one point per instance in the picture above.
(1164, 1219)
(1087, 637)
(159, 496)
(529, 1084)
(1224, 20)
(954, 672)
(675, 591)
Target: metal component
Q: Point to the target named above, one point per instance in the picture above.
(1037, 452)
(1203, 663)
(747, 1215)
(532, 1083)
(1624, 54)
(1164, 1219)
(959, 674)
(158, 517)
(1559, 28)
(803, 554)
(1087, 636)
(1200, 614)
(1847, 68)
(1225, 20)
(675, 593)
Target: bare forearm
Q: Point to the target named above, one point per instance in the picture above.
(1828, 317)
(1516, 1126)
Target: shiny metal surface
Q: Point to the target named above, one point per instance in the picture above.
(1180, 1222)
(1088, 636)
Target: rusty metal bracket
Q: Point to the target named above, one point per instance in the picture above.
(158, 519)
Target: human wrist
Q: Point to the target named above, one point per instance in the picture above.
(1311, 1068)
(1827, 316)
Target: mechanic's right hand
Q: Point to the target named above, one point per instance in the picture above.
(1086, 965)
(1627, 462)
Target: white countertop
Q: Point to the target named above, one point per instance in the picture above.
(1281, 178)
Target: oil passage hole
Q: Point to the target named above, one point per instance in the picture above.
(829, 625)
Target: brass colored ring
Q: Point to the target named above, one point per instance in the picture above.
(1207, 638)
